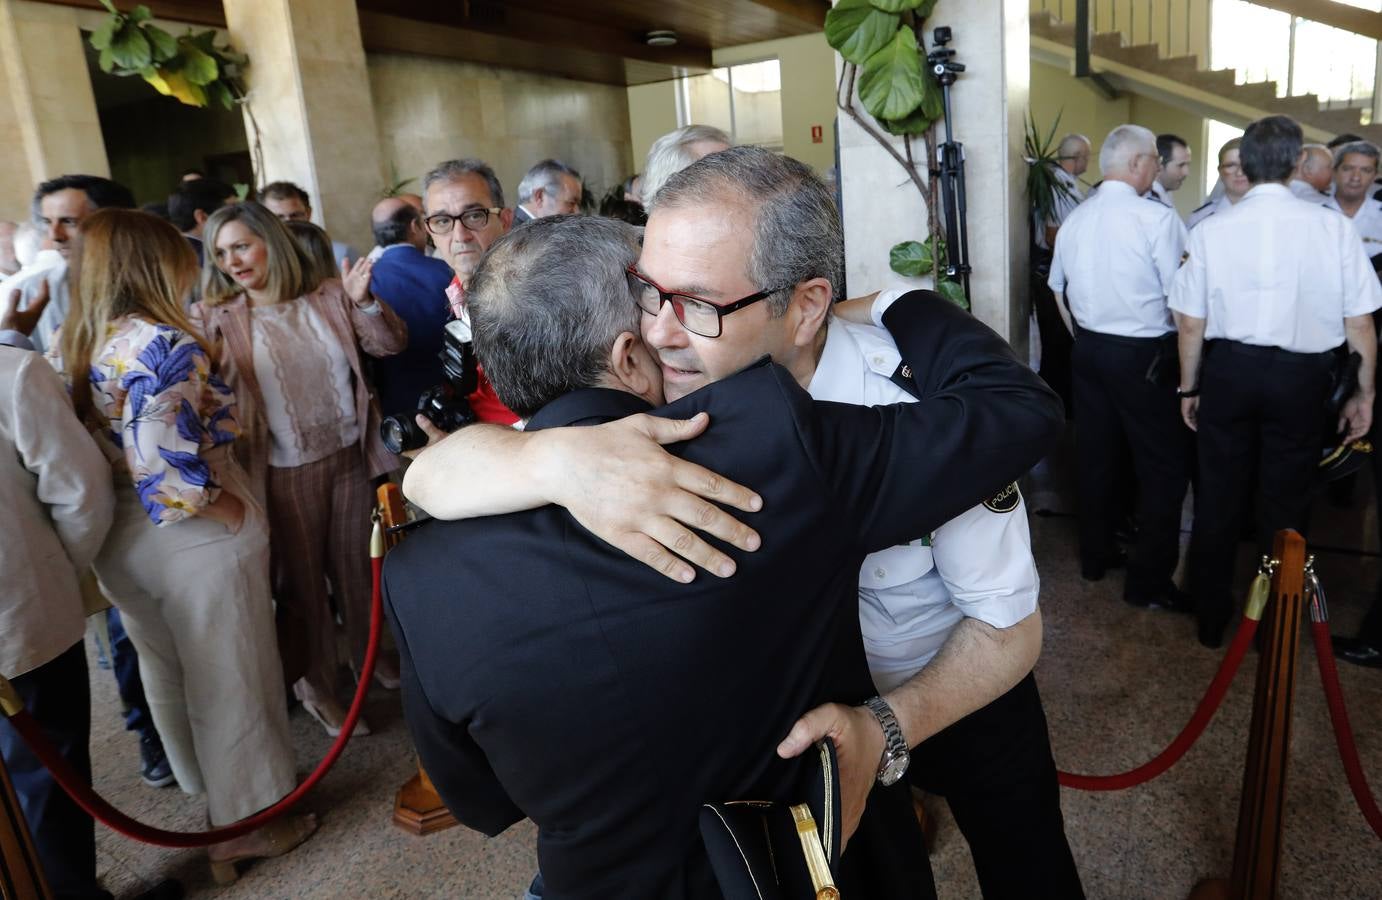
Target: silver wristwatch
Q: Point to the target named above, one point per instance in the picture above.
(893, 765)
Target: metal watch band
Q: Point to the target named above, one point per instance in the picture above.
(896, 744)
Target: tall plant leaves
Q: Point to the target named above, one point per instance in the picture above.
(858, 29)
(891, 81)
(923, 8)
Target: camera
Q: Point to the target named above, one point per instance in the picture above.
(444, 404)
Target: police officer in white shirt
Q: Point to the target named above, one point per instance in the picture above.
(1275, 286)
(1233, 184)
(1115, 259)
(1314, 174)
(1174, 154)
(1355, 170)
(1072, 161)
(968, 590)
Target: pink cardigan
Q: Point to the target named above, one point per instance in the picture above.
(227, 325)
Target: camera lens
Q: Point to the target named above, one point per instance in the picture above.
(401, 433)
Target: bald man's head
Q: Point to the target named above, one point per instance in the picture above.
(1316, 166)
(396, 221)
(413, 200)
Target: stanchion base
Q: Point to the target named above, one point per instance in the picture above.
(1210, 889)
(418, 810)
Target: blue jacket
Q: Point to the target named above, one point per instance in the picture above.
(414, 286)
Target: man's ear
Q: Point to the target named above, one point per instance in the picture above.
(623, 364)
(198, 218)
(506, 219)
(809, 308)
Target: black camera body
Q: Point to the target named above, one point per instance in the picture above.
(444, 404)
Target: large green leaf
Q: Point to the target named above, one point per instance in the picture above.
(952, 291)
(217, 92)
(106, 60)
(108, 4)
(130, 49)
(140, 14)
(859, 30)
(164, 45)
(910, 258)
(916, 123)
(199, 67)
(891, 82)
(101, 37)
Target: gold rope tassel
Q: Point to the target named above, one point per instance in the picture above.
(811, 848)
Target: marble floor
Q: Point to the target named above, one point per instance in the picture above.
(1118, 683)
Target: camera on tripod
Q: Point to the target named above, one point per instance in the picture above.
(444, 404)
(942, 58)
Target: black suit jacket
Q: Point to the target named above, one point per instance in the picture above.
(546, 675)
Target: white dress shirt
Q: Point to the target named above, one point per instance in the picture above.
(1064, 206)
(58, 496)
(1306, 191)
(1276, 272)
(1115, 258)
(1159, 193)
(1210, 208)
(978, 564)
(1367, 221)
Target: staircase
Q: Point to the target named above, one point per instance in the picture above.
(1181, 81)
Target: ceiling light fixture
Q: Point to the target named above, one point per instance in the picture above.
(661, 38)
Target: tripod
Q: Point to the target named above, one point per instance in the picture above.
(952, 166)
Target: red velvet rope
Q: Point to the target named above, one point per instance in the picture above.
(1343, 731)
(1167, 758)
(103, 812)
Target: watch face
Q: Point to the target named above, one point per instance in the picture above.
(893, 771)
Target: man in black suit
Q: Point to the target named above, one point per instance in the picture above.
(546, 675)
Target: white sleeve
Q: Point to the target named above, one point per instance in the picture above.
(74, 480)
(1056, 280)
(1189, 291)
(1168, 249)
(883, 302)
(984, 556)
(1362, 292)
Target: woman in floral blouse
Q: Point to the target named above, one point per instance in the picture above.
(186, 561)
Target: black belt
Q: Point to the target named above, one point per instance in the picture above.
(1256, 351)
(1168, 337)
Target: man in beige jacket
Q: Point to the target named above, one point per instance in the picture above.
(55, 489)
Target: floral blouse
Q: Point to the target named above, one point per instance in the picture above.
(164, 409)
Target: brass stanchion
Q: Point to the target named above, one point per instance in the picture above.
(21, 877)
(417, 808)
(1257, 850)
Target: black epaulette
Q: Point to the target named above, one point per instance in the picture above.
(1205, 205)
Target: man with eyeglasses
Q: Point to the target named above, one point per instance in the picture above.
(741, 259)
(1114, 262)
(463, 208)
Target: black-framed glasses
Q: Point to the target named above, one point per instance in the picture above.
(472, 219)
(696, 314)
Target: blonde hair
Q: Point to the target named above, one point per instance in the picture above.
(133, 263)
(290, 272)
(316, 244)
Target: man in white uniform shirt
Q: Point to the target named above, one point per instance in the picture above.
(1174, 154)
(1314, 174)
(1275, 287)
(1072, 161)
(1114, 262)
(1355, 170)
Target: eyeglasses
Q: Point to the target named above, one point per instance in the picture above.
(697, 315)
(471, 219)
(1230, 167)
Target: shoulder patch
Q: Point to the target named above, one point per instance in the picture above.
(1005, 501)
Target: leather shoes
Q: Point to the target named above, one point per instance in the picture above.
(1358, 652)
(1212, 634)
(1094, 571)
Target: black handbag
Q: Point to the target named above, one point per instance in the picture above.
(771, 850)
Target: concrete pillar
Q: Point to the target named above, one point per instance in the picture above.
(882, 208)
(310, 94)
(47, 109)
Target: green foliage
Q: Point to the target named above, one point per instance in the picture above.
(891, 81)
(922, 8)
(1044, 188)
(952, 291)
(190, 68)
(858, 30)
(396, 184)
(914, 259)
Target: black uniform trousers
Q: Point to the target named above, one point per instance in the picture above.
(58, 696)
(1261, 409)
(995, 770)
(1125, 390)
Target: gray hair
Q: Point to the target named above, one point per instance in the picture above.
(1122, 146)
(546, 175)
(456, 169)
(547, 302)
(671, 153)
(797, 234)
(1366, 148)
(1072, 144)
(28, 240)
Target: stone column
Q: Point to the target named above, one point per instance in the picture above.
(47, 109)
(882, 208)
(310, 93)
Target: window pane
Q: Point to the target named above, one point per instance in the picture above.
(1252, 40)
(758, 104)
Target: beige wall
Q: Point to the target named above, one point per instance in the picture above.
(429, 110)
(808, 98)
(1084, 111)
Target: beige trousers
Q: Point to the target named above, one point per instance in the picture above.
(195, 602)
